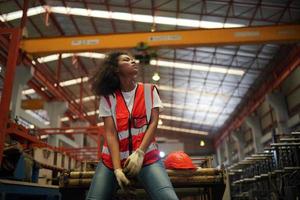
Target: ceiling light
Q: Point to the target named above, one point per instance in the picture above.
(153, 27)
(119, 16)
(100, 124)
(162, 154)
(192, 131)
(199, 67)
(73, 81)
(181, 119)
(91, 55)
(160, 122)
(64, 119)
(202, 143)
(92, 112)
(54, 57)
(18, 14)
(155, 76)
(85, 99)
(28, 91)
(44, 136)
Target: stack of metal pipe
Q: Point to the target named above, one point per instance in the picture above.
(273, 173)
(179, 178)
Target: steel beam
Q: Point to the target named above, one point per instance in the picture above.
(13, 52)
(72, 130)
(24, 16)
(194, 37)
(80, 149)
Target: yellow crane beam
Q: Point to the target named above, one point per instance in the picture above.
(188, 38)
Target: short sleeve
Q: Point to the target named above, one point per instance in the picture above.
(104, 109)
(156, 101)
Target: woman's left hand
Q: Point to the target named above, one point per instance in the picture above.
(134, 163)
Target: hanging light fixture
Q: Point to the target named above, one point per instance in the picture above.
(162, 154)
(202, 143)
(153, 27)
(155, 76)
(160, 122)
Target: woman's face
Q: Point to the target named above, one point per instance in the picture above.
(127, 66)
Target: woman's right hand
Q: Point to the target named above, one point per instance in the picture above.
(121, 178)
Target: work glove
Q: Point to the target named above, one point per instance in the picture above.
(121, 178)
(134, 163)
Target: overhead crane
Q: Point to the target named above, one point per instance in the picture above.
(182, 38)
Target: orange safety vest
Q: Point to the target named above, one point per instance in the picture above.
(131, 128)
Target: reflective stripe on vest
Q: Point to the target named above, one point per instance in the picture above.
(134, 131)
(148, 100)
(113, 102)
(125, 154)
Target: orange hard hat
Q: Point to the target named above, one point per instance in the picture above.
(179, 160)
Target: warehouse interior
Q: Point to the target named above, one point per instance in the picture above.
(226, 72)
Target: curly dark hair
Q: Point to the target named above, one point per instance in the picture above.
(106, 81)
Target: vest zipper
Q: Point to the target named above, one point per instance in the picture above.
(130, 145)
(130, 135)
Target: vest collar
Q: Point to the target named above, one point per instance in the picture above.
(119, 92)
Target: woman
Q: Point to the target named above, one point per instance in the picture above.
(130, 112)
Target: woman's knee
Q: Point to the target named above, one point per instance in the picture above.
(165, 193)
(103, 184)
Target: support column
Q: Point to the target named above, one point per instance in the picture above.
(254, 123)
(240, 140)
(277, 101)
(79, 138)
(55, 110)
(22, 76)
(12, 56)
(219, 155)
(228, 151)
